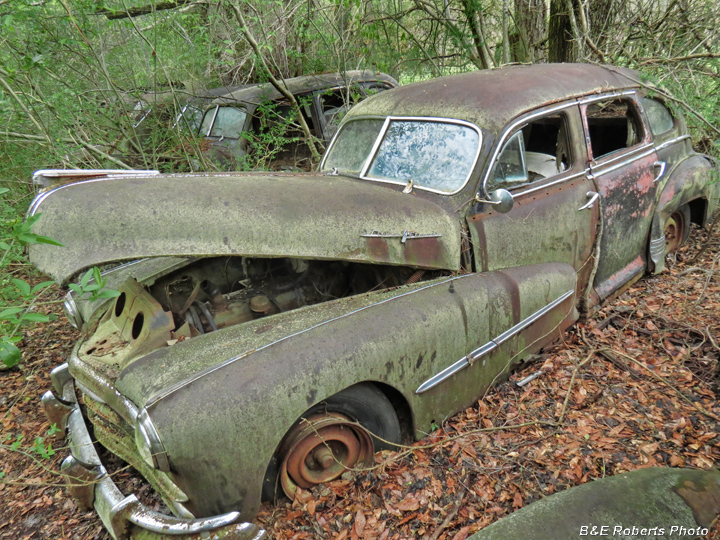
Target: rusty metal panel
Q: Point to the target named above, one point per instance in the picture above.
(491, 98)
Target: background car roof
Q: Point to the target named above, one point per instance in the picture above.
(300, 85)
(491, 98)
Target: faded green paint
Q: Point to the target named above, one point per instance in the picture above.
(650, 499)
(432, 327)
(242, 387)
(268, 215)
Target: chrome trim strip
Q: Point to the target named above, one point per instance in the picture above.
(481, 351)
(610, 95)
(504, 137)
(672, 141)
(150, 435)
(41, 197)
(554, 182)
(522, 325)
(444, 374)
(622, 163)
(158, 397)
(491, 345)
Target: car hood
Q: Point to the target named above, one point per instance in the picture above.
(254, 214)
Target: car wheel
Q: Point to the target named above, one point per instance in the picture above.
(336, 435)
(677, 228)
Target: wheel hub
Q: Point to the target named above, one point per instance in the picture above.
(321, 448)
(674, 231)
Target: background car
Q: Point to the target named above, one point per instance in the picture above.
(276, 329)
(258, 122)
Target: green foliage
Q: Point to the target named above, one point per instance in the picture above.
(92, 284)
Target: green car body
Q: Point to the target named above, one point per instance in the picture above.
(455, 227)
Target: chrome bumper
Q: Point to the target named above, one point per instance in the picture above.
(91, 486)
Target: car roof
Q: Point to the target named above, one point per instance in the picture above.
(490, 98)
(300, 85)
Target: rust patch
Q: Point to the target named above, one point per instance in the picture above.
(424, 252)
(378, 249)
(703, 500)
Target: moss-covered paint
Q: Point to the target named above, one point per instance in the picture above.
(307, 216)
(635, 505)
(245, 386)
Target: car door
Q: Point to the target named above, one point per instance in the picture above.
(549, 232)
(625, 168)
(541, 162)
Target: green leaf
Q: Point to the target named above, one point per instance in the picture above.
(86, 279)
(4, 189)
(23, 286)
(39, 239)
(9, 354)
(75, 288)
(4, 246)
(35, 317)
(9, 312)
(41, 286)
(108, 293)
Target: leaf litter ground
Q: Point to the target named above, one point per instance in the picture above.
(635, 385)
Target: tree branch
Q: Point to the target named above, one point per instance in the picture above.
(280, 87)
(112, 14)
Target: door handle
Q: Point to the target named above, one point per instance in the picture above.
(593, 197)
(661, 165)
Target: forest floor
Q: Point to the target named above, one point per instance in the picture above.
(636, 385)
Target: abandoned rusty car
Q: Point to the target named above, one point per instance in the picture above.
(273, 329)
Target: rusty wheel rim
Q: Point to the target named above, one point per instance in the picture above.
(321, 448)
(674, 231)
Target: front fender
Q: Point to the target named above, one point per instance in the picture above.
(221, 428)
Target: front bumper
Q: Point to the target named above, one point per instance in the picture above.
(91, 486)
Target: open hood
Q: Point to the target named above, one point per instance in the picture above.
(306, 216)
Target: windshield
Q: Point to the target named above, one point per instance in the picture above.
(227, 122)
(189, 118)
(436, 155)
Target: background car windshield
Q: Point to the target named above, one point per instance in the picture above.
(229, 122)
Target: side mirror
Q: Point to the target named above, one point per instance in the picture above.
(501, 199)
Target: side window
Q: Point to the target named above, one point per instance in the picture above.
(659, 116)
(613, 125)
(541, 149)
(333, 107)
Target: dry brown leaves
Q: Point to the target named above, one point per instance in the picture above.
(646, 396)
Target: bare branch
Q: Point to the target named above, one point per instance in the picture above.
(279, 86)
(111, 14)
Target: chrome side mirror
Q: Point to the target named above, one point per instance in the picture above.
(501, 199)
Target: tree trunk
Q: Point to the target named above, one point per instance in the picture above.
(530, 31)
(561, 46)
